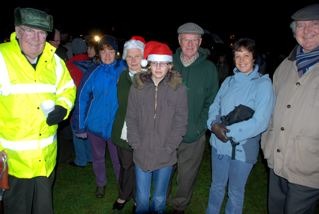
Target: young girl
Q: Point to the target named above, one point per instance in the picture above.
(156, 122)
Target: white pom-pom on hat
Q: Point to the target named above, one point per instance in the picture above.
(144, 63)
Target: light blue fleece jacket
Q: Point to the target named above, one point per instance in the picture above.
(253, 90)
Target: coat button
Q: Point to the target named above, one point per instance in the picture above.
(297, 83)
(288, 106)
(282, 128)
(278, 150)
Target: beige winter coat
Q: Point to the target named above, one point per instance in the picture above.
(291, 144)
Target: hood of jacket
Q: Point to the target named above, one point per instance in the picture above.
(173, 79)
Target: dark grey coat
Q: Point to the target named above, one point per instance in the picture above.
(155, 133)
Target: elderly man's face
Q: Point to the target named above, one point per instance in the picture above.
(31, 40)
(189, 44)
(307, 34)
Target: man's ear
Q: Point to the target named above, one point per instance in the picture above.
(18, 31)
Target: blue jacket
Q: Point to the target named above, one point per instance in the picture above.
(253, 90)
(97, 103)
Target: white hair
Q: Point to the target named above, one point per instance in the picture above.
(130, 44)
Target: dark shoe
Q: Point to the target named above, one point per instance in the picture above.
(75, 165)
(118, 206)
(178, 212)
(134, 208)
(99, 192)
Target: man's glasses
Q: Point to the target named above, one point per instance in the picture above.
(30, 32)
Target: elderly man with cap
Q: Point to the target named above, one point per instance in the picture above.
(133, 54)
(32, 75)
(201, 79)
(291, 144)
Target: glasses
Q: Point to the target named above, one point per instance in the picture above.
(29, 32)
(301, 25)
(159, 64)
(193, 41)
(133, 57)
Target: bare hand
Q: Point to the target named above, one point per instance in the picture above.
(82, 135)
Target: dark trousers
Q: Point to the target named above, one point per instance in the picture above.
(29, 196)
(127, 174)
(288, 198)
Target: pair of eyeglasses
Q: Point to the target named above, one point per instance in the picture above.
(159, 64)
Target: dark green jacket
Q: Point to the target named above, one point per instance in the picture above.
(201, 80)
(123, 88)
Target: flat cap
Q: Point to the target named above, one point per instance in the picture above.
(33, 18)
(191, 28)
(310, 12)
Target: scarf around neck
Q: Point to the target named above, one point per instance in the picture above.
(305, 60)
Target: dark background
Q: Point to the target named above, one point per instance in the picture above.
(265, 21)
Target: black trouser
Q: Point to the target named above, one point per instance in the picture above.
(127, 174)
(27, 196)
(288, 198)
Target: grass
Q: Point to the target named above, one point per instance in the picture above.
(74, 190)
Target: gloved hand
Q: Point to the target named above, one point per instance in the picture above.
(81, 135)
(56, 116)
(220, 131)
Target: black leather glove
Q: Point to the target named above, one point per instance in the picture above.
(220, 131)
(56, 116)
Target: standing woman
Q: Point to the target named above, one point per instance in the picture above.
(232, 164)
(133, 54)
(96, 107)
(156, 122)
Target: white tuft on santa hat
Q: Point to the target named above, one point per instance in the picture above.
(135, 42)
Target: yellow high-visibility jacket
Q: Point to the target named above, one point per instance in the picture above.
(30, 144)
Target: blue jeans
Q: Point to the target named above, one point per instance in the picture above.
(82, 150)
(160, 180)
(234, 172)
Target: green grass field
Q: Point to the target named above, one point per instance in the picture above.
(74, 190)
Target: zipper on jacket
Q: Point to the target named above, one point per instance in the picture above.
(155, 103)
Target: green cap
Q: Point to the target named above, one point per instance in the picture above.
(33, 18)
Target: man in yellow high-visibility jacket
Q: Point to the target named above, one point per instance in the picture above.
(31, 74)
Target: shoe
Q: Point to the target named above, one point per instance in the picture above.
(134, 208)
(75, 165)
(118, 206)
(178, 212)
(100, 192)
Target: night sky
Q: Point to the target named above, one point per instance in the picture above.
(264, 21)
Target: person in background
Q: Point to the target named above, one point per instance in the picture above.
(54, 38)
(95, 110)
(291, 143)
(201, 79)
(82, 148)
(231, 163)
(92, 50)
(133, 54)
(31, 75)
(156, 120)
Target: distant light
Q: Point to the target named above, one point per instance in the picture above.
(96, 38)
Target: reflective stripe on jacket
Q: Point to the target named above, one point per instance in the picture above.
(30, 143)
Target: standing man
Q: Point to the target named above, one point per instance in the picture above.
(291, 144)
(201, 79)
(31, 74)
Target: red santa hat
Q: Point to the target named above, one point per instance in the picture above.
(135, 42)
(157, 52)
